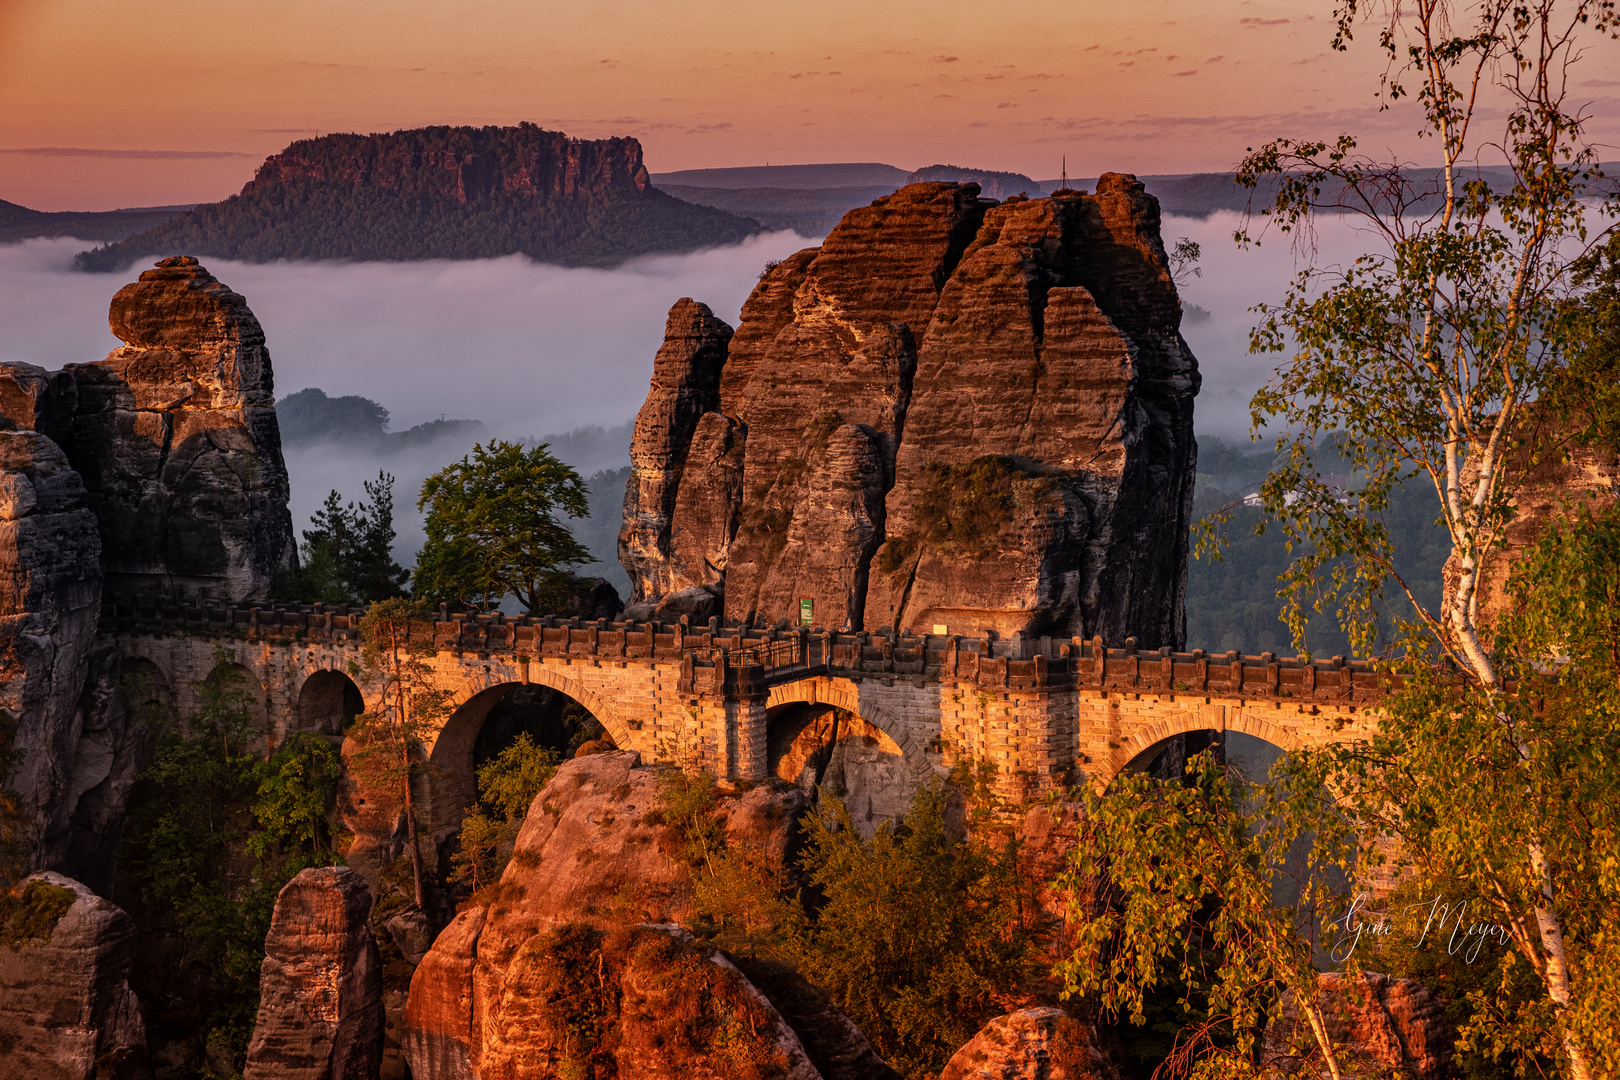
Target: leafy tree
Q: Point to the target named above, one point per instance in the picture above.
(1217, 888)
(493, 529)
(507, 785)
(1438, 359)
(388, 743)
(214, 832)
(919, 938)
(1469, 779)
(1428, 359)
(348, 555)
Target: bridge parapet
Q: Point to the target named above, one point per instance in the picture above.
(740, 662)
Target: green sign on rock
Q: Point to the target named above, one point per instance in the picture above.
(806, 611)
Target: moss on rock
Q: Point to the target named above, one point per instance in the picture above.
(32, 912)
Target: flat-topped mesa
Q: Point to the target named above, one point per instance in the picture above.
(175, 435)
(954, 413)
(463, 163)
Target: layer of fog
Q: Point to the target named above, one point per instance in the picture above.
(536, 351)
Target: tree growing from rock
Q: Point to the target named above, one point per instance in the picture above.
(507, 784)
(214, 830)
(494, 529)
(1181, 882)
(389, 742)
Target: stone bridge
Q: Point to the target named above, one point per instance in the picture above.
(1044, 712)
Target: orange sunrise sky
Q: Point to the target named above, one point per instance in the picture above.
(113, 103)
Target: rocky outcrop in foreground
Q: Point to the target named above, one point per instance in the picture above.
(66, 1009)
(320, 1007)
(1382, 1023)
(1032, 1044)
(581, 935)
(953, 413)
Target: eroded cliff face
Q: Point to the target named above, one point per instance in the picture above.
(175, 436)
(952, 413)
(155, 474)
(50, 599)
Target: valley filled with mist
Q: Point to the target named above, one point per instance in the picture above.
(527, 351)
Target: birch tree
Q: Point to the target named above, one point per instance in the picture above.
(1426, 361)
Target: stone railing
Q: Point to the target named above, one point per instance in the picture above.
(746, 660)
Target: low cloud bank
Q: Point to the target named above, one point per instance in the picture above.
(1233, 281)
(534, 351)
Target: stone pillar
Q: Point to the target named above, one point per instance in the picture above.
(320, 1004)
(747, 722)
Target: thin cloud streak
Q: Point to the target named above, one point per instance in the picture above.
(127, 155)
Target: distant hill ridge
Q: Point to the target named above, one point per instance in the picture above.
(441, 193)
(21, 223)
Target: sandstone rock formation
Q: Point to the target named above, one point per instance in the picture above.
(320, 1009)
(591, 898)
(836, 1047)
(1564, 479)
(951, 413)
(1031, 1044)
(66, 1009)
(175, 435)
(50, 599)
(1382, 1023)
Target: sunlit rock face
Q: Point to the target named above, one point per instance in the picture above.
(1379, 1024)
(584, 923)
(1031, 1044)
(175, 436)
(1564, 480)
(953, 413)
(66, 1009)
(320, 987)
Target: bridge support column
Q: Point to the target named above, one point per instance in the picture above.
(746, 718)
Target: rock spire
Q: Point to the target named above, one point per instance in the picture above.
(953, 413)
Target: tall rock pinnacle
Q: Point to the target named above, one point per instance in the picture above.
(953, 413)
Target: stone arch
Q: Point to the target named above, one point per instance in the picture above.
(1147, 736)
(142, 683)
(254, 695)
(823, 691)
(544, 676)
(451, 785)
(868, 761)
(327, 701)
